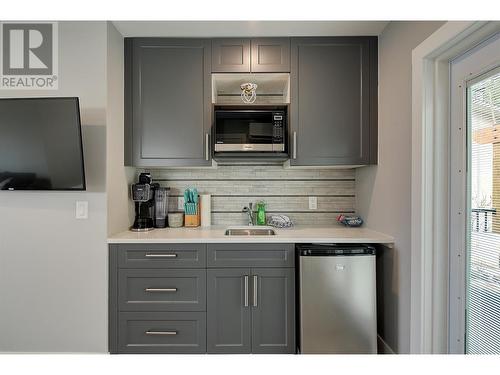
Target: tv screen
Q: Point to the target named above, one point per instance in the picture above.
(41, 144)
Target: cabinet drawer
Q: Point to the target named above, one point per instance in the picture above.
(162, 332)
(162, 290)
(250, 255)
(162, 256)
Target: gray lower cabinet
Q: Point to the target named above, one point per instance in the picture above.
(228, 311)
(166, 332)
(250, 255)
(157, 298)
(273, 310)
(198, 298)
(167, 102)
(162, 290)
(162, 256)
(333, 118)
(251, 310)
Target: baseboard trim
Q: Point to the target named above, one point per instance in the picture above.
(383, 347)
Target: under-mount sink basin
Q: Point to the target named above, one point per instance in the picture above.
(250, 231)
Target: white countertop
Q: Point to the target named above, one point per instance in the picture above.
(215, 234)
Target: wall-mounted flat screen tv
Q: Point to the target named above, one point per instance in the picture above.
(41, 144)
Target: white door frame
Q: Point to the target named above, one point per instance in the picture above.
(430, 179)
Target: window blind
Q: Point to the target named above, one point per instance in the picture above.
(483, 261)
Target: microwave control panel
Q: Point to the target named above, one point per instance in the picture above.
(278, 127)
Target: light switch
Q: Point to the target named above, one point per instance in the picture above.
(82, 210)
(313, 203)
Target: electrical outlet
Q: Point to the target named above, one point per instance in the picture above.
(180, 203)
(313, 203)
(82, 210)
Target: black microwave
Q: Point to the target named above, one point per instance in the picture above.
(255, 130)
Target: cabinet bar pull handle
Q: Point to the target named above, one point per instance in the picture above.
(159, 290)
(150, 255)
(155, 333)
(207, 140)
(246, 290)
(295, 145)
(255, 287)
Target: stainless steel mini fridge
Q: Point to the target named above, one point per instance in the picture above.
(337, 299)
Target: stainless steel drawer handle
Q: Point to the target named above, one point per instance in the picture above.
(246, 290)
(207, 146)
(161, 333)
(294, 145)
(153, 255)
(159, 290)
(255, 288)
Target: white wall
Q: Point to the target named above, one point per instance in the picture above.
(118, 177)
(383, 191)
(53, 268)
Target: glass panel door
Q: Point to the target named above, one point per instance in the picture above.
(482, 331)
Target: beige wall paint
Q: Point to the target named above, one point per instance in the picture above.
(53, 267)
(118, 177)
(383, 192)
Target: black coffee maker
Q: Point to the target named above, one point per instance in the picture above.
(143, 194)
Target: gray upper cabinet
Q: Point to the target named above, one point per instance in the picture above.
(167, 102)
(270, 55)
(333, 115)
(230, 55)
(263, 55)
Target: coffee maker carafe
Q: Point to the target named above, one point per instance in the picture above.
(143, 194)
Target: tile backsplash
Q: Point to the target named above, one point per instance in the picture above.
(285, 191)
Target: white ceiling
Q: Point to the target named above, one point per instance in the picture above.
(247, 28)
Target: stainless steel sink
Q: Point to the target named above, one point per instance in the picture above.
(250, 231)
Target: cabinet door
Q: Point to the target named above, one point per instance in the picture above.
(228, 311)
(270, 55)
(273, 310)
(167, 102)
(231, 55)
(334, 97)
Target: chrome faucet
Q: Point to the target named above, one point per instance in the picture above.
(249, 211)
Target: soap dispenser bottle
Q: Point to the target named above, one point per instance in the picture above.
(261, 213)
